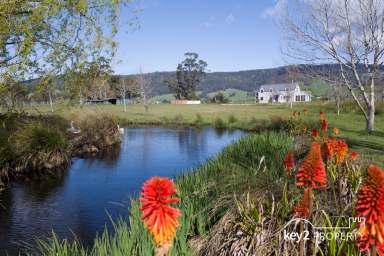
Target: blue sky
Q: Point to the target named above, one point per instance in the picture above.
(230, 35)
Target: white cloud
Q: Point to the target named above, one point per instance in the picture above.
(274, 10)
(230, 19)
(210, 22)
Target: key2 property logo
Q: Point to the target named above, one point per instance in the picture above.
(308, 231)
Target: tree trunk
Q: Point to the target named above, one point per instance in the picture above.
(338, 106)
(371, 118)
(124, 94)
(50, 100)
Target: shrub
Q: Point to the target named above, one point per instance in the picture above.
(36, 137)
(232, 119)
(219, 123)
(179, 119)
(97, 132)
(199, 121)
(37, 147)
(219, 98)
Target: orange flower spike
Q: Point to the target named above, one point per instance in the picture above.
(324, 126)
(302, 208)
(312, 172)
(353, 156)
(328, 148)
(370, 206)
(305, 111)
(160, 219)
(340, 150)
(322, 116)
(289, 163)
(336, 131)
(315, 133)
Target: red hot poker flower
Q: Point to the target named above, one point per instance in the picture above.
(302, 208)
(336, 131)
(160, 219)
(340, 150)
(322, 116)
(311, 172)
(315, 133)
(370, 206)
(324, 125)
(336, 149)
(353, 156)
(289, 163)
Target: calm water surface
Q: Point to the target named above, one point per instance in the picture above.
(80, 200)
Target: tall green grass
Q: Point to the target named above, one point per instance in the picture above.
(251, 164)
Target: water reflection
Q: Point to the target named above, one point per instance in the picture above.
(78, 201)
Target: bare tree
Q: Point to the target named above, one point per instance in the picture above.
(126, 87)
(348, 33)
(145, 89)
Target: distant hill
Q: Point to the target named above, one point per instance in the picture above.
(248, 80)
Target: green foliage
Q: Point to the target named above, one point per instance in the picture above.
(50, 37)
(199, 121)
(12, 93)
(178, 119)
(188, 76)
(233, 95)
(29, 144)
(219, 123)
(319, 88)
(219, 98)
(232, 119)
(57, 247)
(35, 137)
(62, 29)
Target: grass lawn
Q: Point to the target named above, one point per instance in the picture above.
(350, 122)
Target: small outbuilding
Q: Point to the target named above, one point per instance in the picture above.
(186, 102)
(102, 101)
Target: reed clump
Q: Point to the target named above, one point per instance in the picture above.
(97, 132)
(31, 145)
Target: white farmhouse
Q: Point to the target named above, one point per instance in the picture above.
(280, 93)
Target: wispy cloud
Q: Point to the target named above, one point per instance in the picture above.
(210, 22)
(274, 10)
(230, 19)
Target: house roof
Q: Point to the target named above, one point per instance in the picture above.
(279, 87)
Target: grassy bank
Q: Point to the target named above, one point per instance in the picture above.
(248, 117)
(40, 145)
(241, 202)
(253, 165)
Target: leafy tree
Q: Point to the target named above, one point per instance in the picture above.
(188, 76)
(12, 92)
(46, 86)
(56, 36)
(220, 98)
